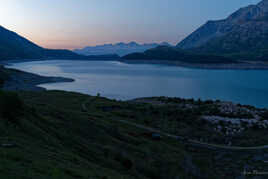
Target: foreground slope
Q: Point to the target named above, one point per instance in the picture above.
(54, 139)
(59, 134)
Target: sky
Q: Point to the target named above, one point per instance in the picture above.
(77, 23)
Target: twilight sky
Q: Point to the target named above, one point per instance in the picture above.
(78, 23)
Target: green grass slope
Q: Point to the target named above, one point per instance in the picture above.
(54, 139)
(51, 135)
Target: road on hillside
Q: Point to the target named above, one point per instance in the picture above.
(181, 138)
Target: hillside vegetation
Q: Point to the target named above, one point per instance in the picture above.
(66, 135)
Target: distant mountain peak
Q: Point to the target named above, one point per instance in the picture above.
(120, 43)
(120, 48)
(164, 44)
(133, 43)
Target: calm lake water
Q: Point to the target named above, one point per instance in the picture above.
(126, 81)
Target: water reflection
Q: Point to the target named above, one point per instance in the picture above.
(125, 81)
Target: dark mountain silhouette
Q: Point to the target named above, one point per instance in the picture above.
(119, 48)
(13, 46)
(175, 54)
(243, 35)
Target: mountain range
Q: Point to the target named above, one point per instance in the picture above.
(241, 36)
(14, 46)
(120, 49)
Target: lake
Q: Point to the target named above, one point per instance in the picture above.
(122, 81)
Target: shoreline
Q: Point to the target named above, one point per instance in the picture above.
(240, 65)
(243, 65)
(24, 81)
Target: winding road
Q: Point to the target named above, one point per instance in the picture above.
(181, 138)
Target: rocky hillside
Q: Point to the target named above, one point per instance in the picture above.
(242, 34)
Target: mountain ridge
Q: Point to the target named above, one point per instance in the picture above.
(242, 35)
(164, 53)
(120, 48)
(14, 46)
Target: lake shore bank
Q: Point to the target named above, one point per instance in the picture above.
(242, 65)
(245, 65)
(24, 81)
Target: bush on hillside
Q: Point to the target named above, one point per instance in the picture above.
(264, 115)
(11, 106)
(1, 82)
(124, 160)
(3, 75)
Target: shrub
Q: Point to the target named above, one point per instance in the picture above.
(264, 115)
(209, 102)
(127, 163)
(124, 160)
(214, 111)
(1, 82)
(3, 76)
(11, 106)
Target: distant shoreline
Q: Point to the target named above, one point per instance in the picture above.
(24, 81)
(242, 65)
(245, 65)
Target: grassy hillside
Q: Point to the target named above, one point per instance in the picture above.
(59, 134)
(54, 139)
